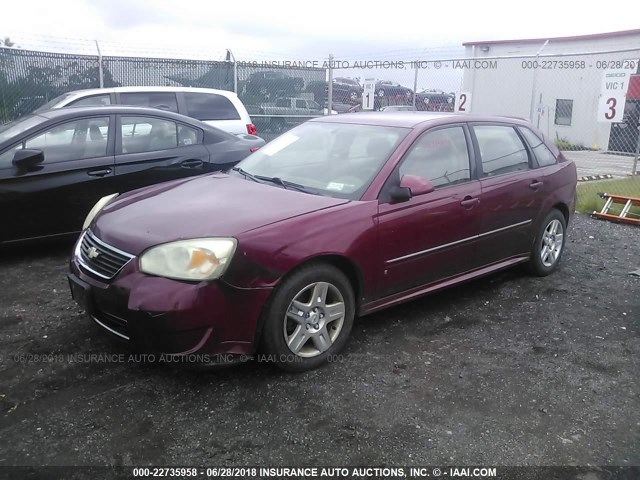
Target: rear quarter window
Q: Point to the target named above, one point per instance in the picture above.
(542, 153)
(209, 106)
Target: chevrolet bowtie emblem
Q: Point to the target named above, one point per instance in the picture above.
(92, 252)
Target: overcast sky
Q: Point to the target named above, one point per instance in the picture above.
(301, 30)
(283, 28)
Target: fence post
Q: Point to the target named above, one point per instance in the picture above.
(330, 88)
(231, 57)
(634, 172)
(415, 86)
(533, 87)
(100, 72)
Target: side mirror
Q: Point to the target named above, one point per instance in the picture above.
(411, 186)
(400, 194)
(27, 158)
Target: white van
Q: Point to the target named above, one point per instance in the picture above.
(219, 108)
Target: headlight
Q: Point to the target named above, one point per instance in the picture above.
(96, 208)
(198, 259)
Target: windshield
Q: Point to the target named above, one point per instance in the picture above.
(9, 130)
(334, 159)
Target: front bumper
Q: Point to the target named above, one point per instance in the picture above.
(160, 315)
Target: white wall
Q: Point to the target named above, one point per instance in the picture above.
(507, 89)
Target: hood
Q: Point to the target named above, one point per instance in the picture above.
(214, 205)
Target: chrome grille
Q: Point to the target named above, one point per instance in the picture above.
(99, 258)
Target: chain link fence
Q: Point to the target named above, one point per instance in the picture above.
(587, 103)
(276, 94)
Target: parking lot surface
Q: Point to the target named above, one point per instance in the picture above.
(597, 163)
(506, 370)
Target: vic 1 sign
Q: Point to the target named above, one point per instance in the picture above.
(613, 95)
(368, 95)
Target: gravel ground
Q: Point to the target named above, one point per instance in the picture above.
(507, 370)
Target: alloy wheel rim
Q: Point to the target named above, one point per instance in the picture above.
(552, 240)
(314, 319)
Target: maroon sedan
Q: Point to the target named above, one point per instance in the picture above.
(342, 216)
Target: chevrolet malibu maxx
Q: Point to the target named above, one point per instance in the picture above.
(341, 216)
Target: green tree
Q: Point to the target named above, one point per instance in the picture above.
(6, 42)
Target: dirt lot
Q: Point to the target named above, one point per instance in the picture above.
(508, 370)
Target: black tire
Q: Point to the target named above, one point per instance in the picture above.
(277, 324)
(536, 265)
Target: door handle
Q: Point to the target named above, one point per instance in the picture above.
(192, 163)
(535, 185)
(469, 202)
(99, 173)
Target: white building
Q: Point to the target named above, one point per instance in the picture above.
(556, 83)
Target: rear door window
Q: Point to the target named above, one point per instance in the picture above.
(148, 134)
(161, 100)
(209, 106)
(501, 150)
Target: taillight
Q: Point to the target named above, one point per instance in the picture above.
(251, 129)
(254, 149)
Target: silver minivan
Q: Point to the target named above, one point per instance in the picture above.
(219, 108)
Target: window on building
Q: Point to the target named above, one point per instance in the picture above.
(564, 111)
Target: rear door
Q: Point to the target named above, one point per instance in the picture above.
(512, 192)
(55, 196)
(216, 110)
(432, 236)
(151, 150)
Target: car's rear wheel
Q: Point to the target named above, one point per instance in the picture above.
(549, 244)
(309, 317)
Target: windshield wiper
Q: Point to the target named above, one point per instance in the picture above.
(288, 185)
(277, 181)
(246, 174)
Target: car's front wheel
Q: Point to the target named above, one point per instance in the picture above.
(549, 244)
(309, 317)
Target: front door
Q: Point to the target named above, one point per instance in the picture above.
(54, 197)
(432, 236)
